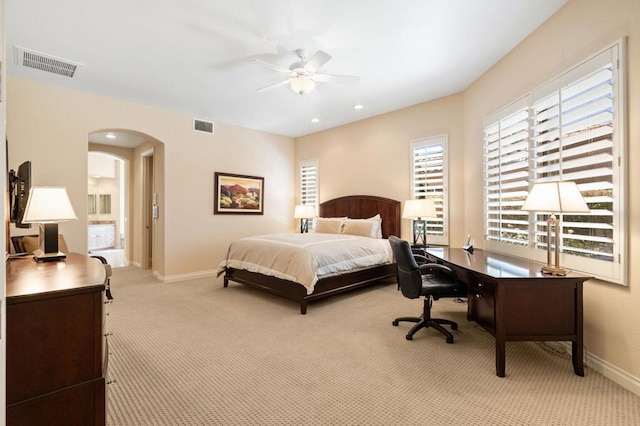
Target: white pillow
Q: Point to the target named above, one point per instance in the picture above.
(375, 226)
(378, 220)
(329, 225)
(361, 227)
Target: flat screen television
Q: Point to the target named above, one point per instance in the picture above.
(19, 186)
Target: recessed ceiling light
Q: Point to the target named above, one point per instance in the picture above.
(315, 120)
(110, 136)
(358, 106)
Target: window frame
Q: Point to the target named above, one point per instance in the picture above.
(616, 269)
(441, 198)
(303, 197)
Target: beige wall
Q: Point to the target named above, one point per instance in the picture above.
(49, 125)
(581, 28)
(371, 157)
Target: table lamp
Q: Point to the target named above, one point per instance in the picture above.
(48, 206)
(418, 210)
(304, 212)
(555, 197)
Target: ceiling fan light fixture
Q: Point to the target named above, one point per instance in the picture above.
(302, 84)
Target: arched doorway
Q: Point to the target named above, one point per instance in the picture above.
(142, 235)
(108, 212)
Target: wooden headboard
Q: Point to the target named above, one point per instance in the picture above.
(363, 207)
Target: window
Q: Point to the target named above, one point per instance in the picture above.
(571, 128)
(308, 184)
(429, 180)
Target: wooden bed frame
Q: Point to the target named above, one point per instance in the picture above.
(354, 207)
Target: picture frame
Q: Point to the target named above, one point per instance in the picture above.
(238, 194)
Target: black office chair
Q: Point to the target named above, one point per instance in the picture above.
(107, 279)
(430, 280)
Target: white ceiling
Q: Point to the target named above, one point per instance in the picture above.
(198, 56)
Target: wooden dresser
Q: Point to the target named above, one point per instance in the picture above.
(56, 350)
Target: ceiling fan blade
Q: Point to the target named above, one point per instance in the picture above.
(316, 61)
(272, 66)
(274, 85)
(344, 79)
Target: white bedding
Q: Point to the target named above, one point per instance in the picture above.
(304, 258)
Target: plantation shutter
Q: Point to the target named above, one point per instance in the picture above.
(428, 161)
(506, 177)
(573, 140)
(572, 129)
(308, 184)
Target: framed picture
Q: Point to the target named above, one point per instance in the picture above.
(238, 194)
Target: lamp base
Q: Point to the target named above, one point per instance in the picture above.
(40, 256)
(553, 270)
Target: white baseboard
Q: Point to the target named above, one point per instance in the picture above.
(608, 370)
(182, 277)
(613, 373)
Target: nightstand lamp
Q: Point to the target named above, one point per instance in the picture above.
(304, 212)
(555, 197)
(418, 211)
(48, 206)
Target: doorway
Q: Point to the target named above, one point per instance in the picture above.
(149, 208)
(107, 233)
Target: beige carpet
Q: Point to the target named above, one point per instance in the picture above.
(195, 353)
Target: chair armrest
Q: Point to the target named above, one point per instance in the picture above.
(435, 266)
(420, 258)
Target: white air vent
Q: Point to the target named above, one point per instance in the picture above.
(40, 61)
(203, 126)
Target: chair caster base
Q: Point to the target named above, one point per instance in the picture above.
(432, 323)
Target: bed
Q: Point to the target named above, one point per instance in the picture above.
(354, 207)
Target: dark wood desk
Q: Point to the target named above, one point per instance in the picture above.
(511, 299)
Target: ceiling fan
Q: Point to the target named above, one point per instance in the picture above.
(303, 74)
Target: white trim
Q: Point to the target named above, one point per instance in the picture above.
(147, 153)
(185, 277)
(608, 370)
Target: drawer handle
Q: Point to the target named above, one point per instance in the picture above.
(108, 334)
(480, 285)
(110, 382)
(478, 296)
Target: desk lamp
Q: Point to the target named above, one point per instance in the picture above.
(418, 210)
(555, 197)
(48, 206)
(304, 212)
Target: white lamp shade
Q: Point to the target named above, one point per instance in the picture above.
(560, 196)
(48, 204)
(302, 84)
(304, 211)
(419, 209)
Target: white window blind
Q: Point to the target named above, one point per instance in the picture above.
(572, 128)
(429, 180)
(308, 182)
(506, 178)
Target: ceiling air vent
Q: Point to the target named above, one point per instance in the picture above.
(43, 62)
(203, 126)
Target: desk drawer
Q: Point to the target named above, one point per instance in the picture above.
(482, 309)
(483, 285)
